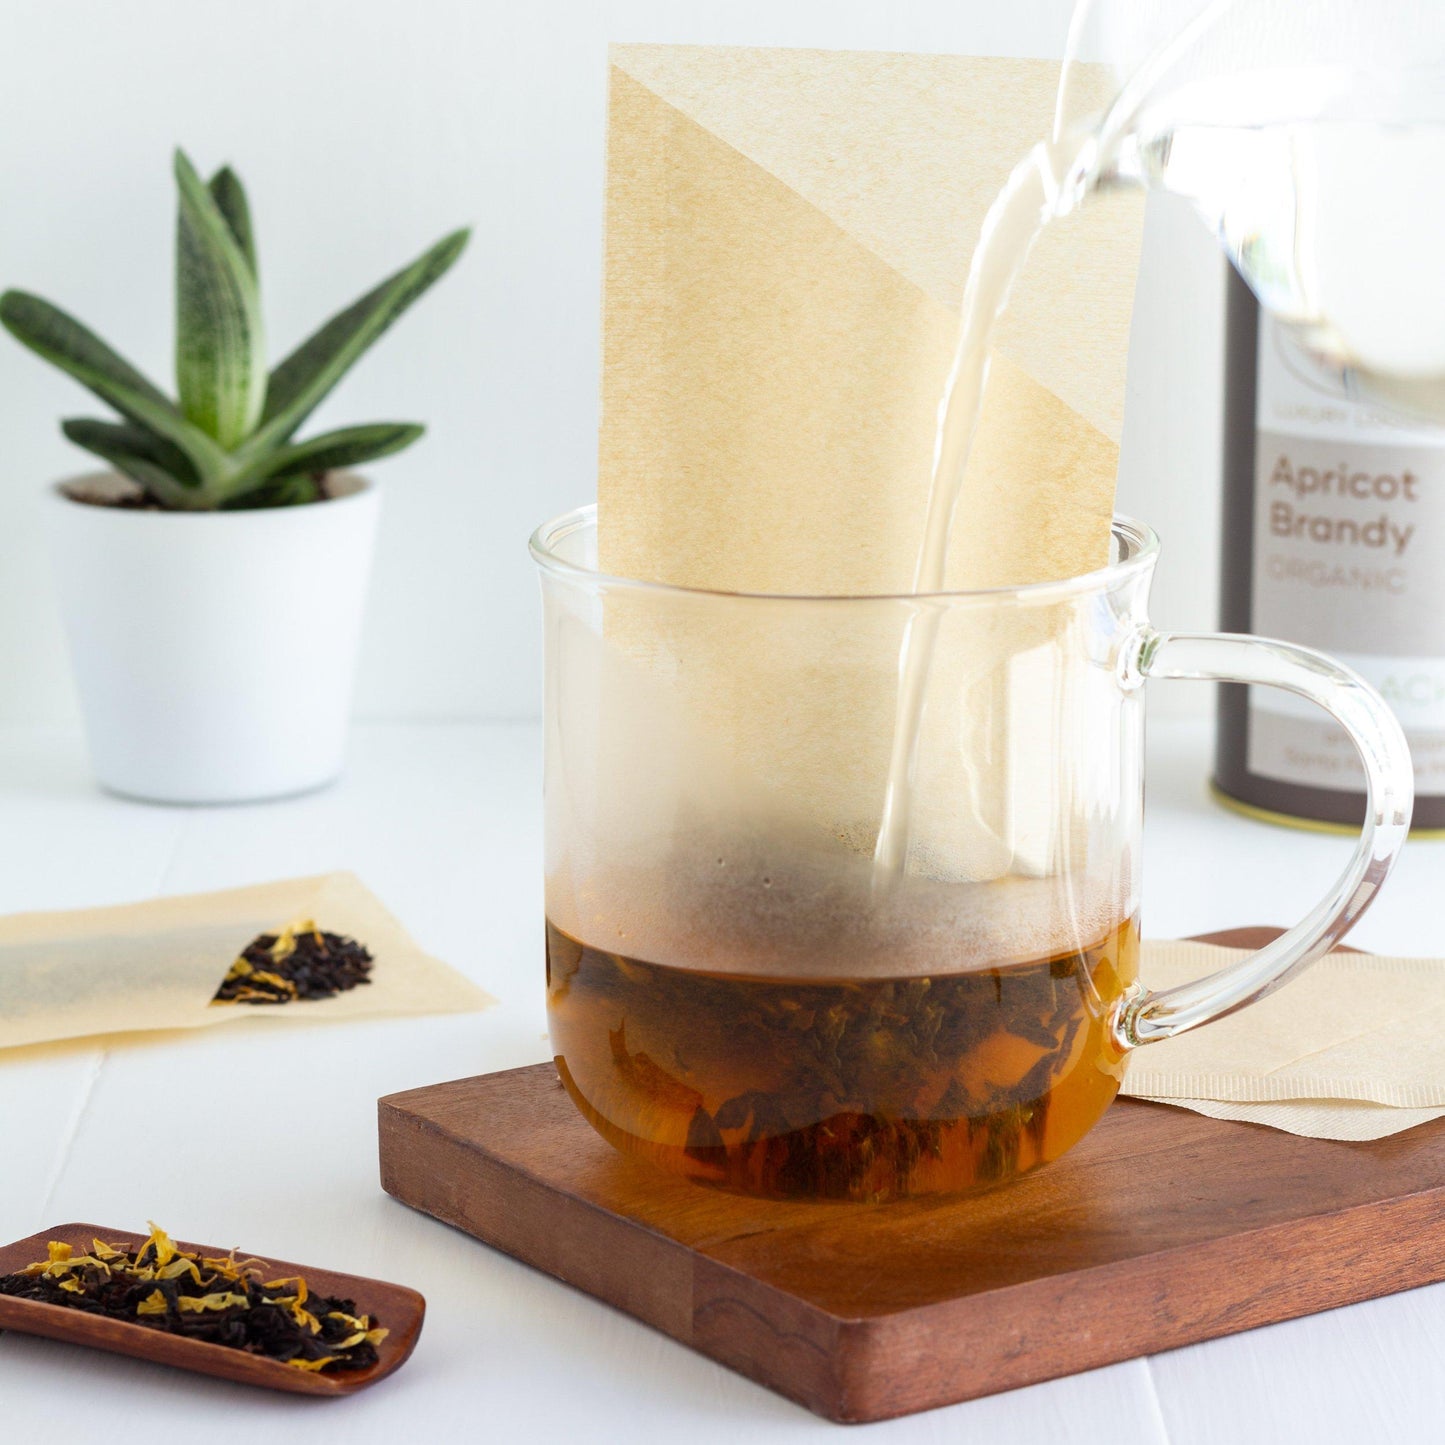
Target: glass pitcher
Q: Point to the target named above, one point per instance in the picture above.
(1311, 138)
(735, 993)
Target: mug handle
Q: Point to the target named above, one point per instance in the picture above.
(1146, 1015)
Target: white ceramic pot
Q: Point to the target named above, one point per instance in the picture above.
(215, 652)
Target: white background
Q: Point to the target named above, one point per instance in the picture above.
(364, 130)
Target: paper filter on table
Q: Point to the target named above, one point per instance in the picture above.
(1348, 1120)
(1352, 1049)
(157, 964)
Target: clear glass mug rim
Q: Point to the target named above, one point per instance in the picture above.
(1139, 550)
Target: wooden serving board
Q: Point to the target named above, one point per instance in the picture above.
(1160, 1229)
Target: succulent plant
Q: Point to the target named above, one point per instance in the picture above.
(229, 440)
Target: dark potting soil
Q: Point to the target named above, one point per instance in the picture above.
(140, 500)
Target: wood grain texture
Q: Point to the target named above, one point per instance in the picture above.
(1160, 1229)
(399, 1309)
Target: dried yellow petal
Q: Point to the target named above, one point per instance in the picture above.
(60, 1259)
(153, 1304)
(102, 1250)
(160, 1245)
(229, 1267)
(182, 1264)
(198, 1304)
(274, 980)
(285, 944)
(312, 1365)
(292, 1304)
(73, 1286)
(85, 1261)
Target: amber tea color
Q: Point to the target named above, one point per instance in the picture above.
(841, 1088)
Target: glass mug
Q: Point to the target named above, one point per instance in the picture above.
(737, 990)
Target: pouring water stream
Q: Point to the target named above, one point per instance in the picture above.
(1272, 160)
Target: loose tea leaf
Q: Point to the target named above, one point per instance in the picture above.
(218, 1299)
(841, 1088)
(300, 962)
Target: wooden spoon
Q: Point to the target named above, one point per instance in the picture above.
(399, 1309)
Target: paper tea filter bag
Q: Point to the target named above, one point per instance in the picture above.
(157, 964)
(788, 235)
(1352, 1049)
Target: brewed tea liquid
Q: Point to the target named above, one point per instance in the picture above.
(840, 1088)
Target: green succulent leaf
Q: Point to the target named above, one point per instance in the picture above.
(293, 491)
(348, 447)
(134, 441)
(230, 198)
(303, 380)
(63, 341)
(162, 469)
(220, 352)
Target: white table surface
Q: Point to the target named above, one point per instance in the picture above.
(443, 821)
